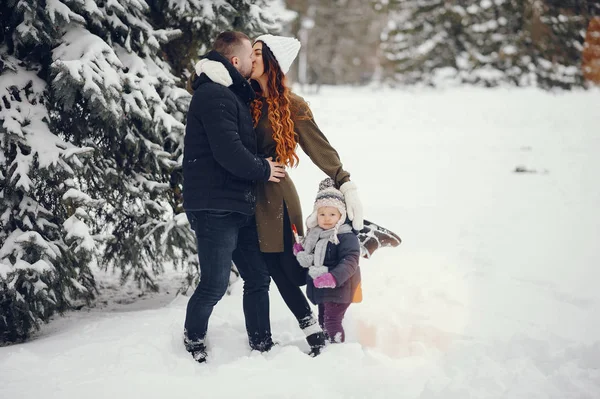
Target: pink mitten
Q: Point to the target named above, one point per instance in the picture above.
(297, 248)
(325, 281)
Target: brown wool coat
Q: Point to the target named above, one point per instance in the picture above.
(271, 196)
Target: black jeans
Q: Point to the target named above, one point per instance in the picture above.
(288, 275)
(224, 236)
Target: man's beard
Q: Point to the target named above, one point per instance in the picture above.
(248, 75)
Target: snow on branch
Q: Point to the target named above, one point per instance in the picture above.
(41, 266)
(75, 197)
(33, 238)
(20, 171)
(79, 233)
(5, 268)
(56, 8)
(201, 9)
(87, 61)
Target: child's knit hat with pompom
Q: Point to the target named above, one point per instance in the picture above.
(328, 195)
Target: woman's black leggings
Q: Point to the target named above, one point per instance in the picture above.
(288, 275)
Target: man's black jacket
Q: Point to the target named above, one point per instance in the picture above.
(220, 165)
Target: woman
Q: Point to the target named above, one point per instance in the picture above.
(283, 120)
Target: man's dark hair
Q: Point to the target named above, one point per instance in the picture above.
(228, 42)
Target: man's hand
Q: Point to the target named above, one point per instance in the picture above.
(277, 170)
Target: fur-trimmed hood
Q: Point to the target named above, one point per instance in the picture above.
(214, 67)
(215, 71)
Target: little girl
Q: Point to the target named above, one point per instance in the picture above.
(330, 251)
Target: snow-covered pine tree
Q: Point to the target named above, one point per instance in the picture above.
(495, 42)
(45, 245)
(533, 42)
(424, 40)
(88, 110)
(559, 50)
(479, 42)
(113, 92)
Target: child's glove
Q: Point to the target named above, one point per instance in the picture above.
(304, 259)
(325, 281)
(316, 271)
(297, 248)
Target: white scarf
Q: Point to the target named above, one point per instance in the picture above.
(315, 242)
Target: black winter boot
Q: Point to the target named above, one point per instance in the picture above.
(316, 342)
(200, 354)
(197, 348)
(263, 346)
(314, 334)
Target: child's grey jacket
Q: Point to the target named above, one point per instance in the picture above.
(342, 262)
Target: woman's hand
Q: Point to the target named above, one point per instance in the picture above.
(353, 204)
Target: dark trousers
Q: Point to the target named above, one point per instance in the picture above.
(331, 316)
(288, 275)
(222, 237)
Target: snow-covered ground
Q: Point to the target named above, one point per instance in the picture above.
(493, 293)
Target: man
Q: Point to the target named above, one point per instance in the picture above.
(220, 168)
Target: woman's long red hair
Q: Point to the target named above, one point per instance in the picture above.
(280, 110)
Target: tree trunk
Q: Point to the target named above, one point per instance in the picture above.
(591, 52)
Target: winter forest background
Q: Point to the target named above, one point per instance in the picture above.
(93, 105)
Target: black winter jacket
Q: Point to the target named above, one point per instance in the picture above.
(220, 165)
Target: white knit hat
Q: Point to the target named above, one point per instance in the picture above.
(328, 195)
(285, 49)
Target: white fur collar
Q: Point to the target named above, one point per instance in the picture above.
(215, 71)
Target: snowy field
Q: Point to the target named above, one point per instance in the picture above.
(493, 293)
